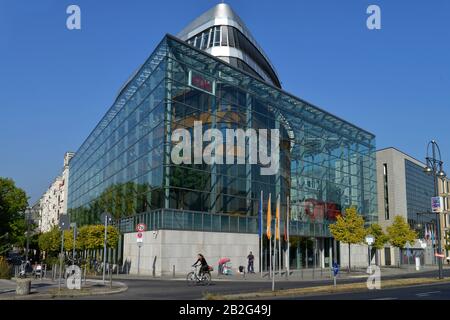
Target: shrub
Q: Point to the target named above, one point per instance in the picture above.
(5, 269)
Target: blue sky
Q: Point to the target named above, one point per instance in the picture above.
(56, 84)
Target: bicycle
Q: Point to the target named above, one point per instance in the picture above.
(193, 278)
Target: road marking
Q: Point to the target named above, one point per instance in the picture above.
(426, 294)
(385, 299)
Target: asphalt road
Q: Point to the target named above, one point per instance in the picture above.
(422, 292)
(179, 290)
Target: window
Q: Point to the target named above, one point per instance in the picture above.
(231, 37)
(210, 38)
(216, 36)
(204, 40)
(224, 30)
(386, 191)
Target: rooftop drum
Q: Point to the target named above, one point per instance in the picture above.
(221, 33)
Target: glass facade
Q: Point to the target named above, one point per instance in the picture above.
(124, 167)
(419, 191)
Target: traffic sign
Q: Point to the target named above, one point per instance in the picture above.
(64, 222)
(105, 216)
(141, 227)
(335, 269)
(140, 238)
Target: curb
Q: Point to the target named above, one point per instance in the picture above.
(49, 296)
(323, 290)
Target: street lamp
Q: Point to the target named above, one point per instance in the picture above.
(28, 219)
(370, 239)
(435, 168)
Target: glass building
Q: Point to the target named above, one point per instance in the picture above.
(124, 167)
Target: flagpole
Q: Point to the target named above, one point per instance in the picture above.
(273, 269)
(287, 237)
(261, 237)
(269, 233)
(279, 238)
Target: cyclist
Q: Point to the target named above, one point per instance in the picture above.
(204, 265)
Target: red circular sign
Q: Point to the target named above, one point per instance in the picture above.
(139, 235)
(141, 227)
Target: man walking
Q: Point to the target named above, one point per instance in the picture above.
(251, 259)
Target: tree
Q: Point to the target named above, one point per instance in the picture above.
(349, 229)
(447, 241)
(13, 202)
(400, 233)
(50, 241)
(380, 236)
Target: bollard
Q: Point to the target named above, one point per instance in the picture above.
(173, 271)
(321, 273)
(302, 274)
(110, 279)
(314, 273)
(85, 275)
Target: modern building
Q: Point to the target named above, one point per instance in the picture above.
(53, 202)
(215, 73)
(404, 189)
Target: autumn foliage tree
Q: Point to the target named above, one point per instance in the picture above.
(88, 237)
(400, 233)
(349, 228)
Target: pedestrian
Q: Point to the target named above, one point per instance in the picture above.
(251, 260)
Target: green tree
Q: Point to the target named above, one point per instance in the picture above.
(447, 241)
(50, 242)
(349, 229)
(381, 238)
(13, 202)
(400, 233)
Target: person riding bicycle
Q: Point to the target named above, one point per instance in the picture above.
(204, 265)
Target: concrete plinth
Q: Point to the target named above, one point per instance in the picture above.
(23, 287)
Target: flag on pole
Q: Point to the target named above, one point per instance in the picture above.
(432, 234)
(286, 223)
(269, 218)
(277, 219)
(260, 215)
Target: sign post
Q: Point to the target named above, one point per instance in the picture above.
(105, 217)
(140, 228)
(335, 272)
(64, 224)
(370, 239)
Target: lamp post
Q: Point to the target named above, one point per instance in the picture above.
(370, 239)
(435, 168)
(28, 217)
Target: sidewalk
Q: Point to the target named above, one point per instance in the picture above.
(48, 289)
